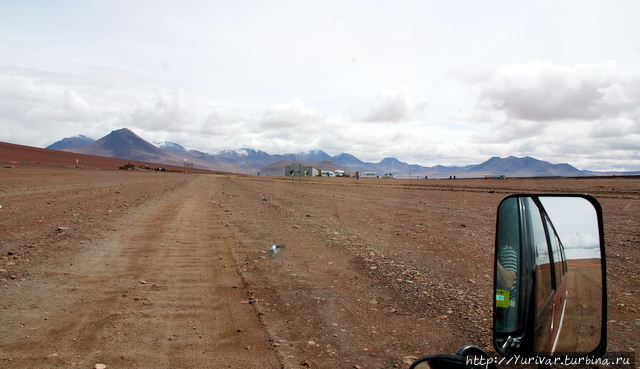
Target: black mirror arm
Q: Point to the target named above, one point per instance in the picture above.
(477, 352)
(441, 361)
(509, 341)
(468, 357)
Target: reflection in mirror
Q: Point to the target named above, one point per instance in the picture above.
(576, 223)
(549, 276)
(507, 256)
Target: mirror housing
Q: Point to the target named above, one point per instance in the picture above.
(549, 277)
(467, 357)
(440, 361)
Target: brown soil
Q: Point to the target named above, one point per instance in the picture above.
(581, 327)
(140, 269)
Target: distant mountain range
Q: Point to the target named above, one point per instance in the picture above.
(126, 145)
(71, 143)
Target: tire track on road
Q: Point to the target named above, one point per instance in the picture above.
(163, 291)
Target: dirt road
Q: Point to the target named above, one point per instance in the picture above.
(138, 270)
(160, 290)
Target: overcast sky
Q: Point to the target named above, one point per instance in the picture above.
(427, 82)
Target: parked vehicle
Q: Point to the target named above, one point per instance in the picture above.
(549, 282)
(327, 173)
(341, 173)
(368, 175)
(388, 175)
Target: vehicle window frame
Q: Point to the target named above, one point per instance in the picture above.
(557, 254)
(533, 209)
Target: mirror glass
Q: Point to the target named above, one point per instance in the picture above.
(549, 276)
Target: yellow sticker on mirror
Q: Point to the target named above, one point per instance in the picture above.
(502, 298)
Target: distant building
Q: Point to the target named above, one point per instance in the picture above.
(299, 170)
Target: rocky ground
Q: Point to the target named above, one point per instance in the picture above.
(139, 269)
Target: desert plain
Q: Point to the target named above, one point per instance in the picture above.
(146, 269)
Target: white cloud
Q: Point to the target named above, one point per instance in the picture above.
(551, 111)
(165, 111)
(614, 128)
(220, 122)
(543, 91)
(465, 83)
(47, 104)
(394, 106)
(286, 116)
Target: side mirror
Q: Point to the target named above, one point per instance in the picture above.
(549, 279)
(440, 361)
(467, 357)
